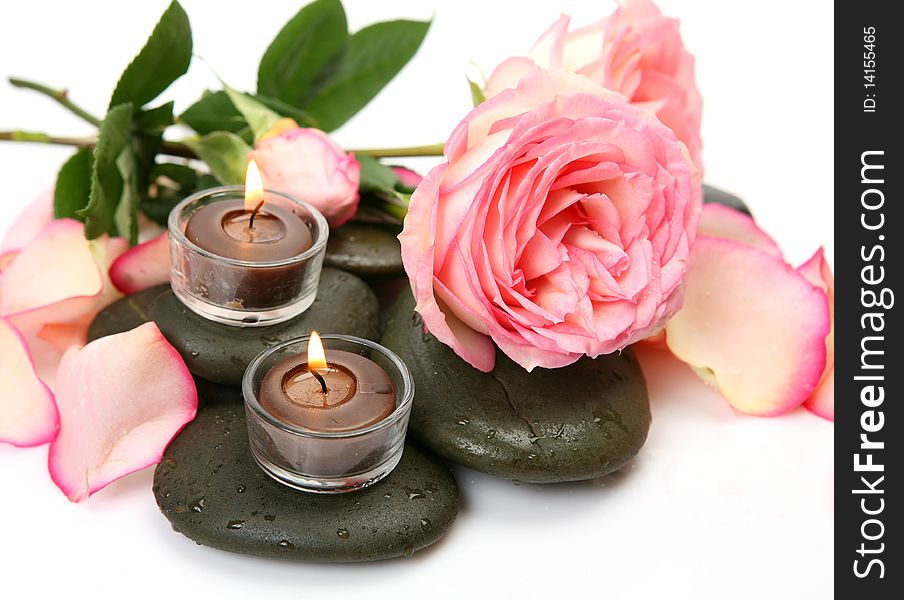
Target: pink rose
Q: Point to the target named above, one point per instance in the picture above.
(559, 226)
(308, 164)
(635, 51)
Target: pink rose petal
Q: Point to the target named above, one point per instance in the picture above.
(752, 325)
(818, 272)
(121, 398)
(143, 266)
(29, 223)
(724, 222)
(28, 415)
(73, 282)
(409, 178)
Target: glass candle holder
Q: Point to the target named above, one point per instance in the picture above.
(325, 460)
(239, 282)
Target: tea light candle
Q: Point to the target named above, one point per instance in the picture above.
(246, 256)
(327, 421)
(345, 393)
(248, 230)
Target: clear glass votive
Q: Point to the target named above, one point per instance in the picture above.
(315, 459)
(228, 275)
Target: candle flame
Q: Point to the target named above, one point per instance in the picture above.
(316, 355)
(254, 186)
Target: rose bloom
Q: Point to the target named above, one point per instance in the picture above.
(559, 226)
(635, 51)
(307, 163)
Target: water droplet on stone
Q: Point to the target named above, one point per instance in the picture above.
(286, 545)
(426, 525)
(240, 489)
(342, 532)
(414, 493)
(235, 524)
(491, 434)
(408, 552)
(198, 505)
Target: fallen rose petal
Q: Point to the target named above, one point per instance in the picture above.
(29, 223)
(73, 281)
(6, 259)
(121, 399)
(720, 221)
(28, 415)
(751, 325)
(818, 272)
(143, 266)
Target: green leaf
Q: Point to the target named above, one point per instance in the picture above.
(153, 121)
(305, 51)
(376, 178)
(374, 56)
(258, 116)
(205, 182)
(214, 112)
(106, 180)
(183, 176)
(164, 58)
(300, 116)
(171, 183)
(225, 153)
(73, 186)
(477, 93)
(125, 217)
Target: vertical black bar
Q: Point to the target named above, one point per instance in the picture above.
(869, 262)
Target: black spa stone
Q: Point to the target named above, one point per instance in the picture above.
(125, 314)
(365, 249)
(213, 492)
(574, 423)
(220, 353)
(714, 195)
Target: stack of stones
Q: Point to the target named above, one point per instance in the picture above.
(580, 422)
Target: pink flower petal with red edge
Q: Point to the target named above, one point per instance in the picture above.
(28, 415)
(752, 325)
(143, 266)
(29, 223)
(121, 398)
(409, 178)
(720, 221)
(818, 272)
(73, 281)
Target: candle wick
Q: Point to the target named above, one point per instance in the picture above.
(322, 381)
(254, 214)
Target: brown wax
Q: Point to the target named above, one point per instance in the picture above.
(224, 228)
(359, 393)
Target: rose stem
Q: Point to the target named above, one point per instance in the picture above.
(181, 150)
(60, 96)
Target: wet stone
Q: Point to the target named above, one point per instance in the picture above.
(574, 423)
(126, 313)
(220, 353)
(211, 490)
(714, 195)
(368, 250)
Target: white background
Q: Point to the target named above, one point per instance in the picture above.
(716, 505)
